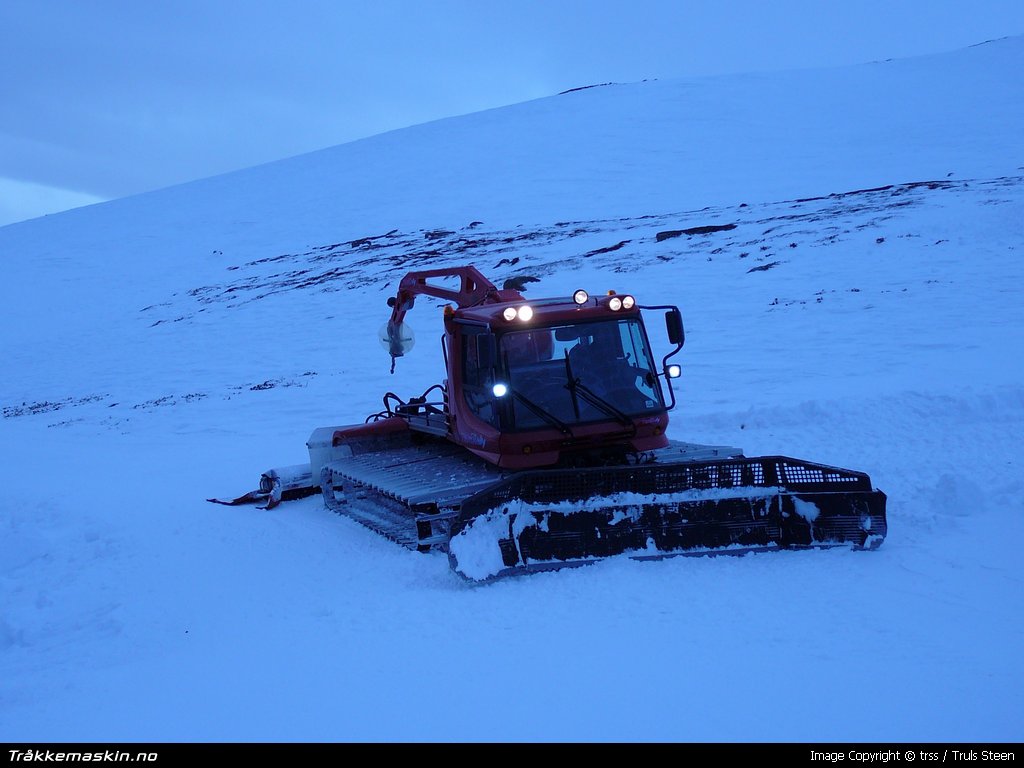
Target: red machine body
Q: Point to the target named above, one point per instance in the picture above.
(550, 412)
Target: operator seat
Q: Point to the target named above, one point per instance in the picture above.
(593, 360)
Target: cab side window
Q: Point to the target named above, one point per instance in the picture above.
(475, 382)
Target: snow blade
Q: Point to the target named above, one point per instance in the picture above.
(546, 519)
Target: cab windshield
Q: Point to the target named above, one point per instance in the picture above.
(580, 373)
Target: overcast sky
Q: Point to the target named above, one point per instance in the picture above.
(105, 98)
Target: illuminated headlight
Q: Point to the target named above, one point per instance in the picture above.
(674, 371)
(614, 303)
(628, 302)
(525, 312)
(509, 313)
(581, 296)
(499, 390)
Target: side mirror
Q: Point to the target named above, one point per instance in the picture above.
(486, 350)
(674, 326)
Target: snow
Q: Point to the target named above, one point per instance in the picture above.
(807, 510)
(167, 348)
(474, 547)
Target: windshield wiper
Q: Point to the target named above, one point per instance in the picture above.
(543, 414)
(599, 402)
(578, 387)
(537, 411)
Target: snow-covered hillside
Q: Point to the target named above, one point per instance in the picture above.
(865, 310)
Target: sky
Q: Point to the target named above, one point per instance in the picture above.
(109, 98)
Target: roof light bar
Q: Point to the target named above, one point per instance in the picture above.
(524, 313)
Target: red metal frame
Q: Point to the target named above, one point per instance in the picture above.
(480, 301)
(474, 289)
